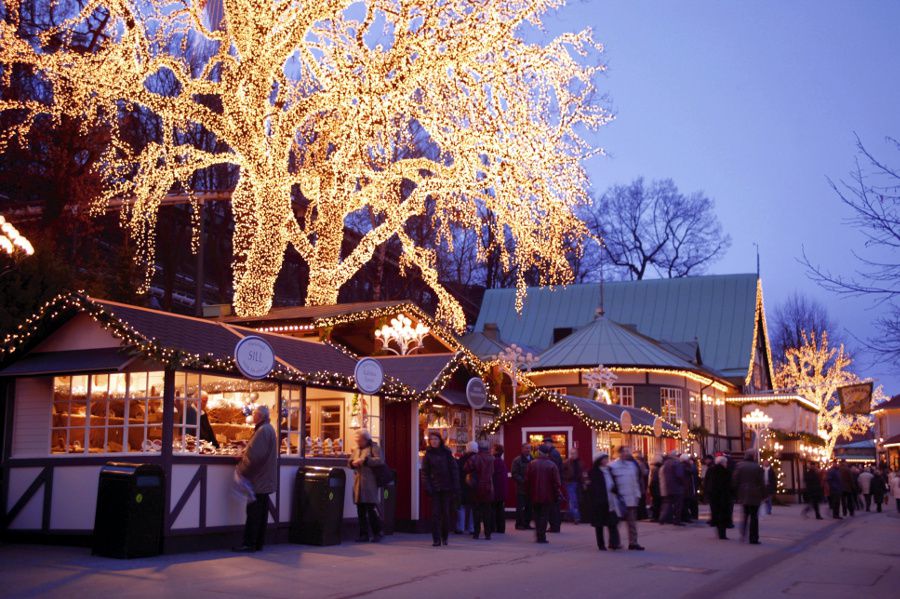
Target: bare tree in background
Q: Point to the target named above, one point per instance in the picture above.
(796, 316)
(656, 229)
(872, 192)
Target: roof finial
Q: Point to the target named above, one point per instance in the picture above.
(757, 259)
(601, 309)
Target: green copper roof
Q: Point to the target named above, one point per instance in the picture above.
(716, 310)
(605, 342)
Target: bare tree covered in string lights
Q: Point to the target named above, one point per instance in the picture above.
(310, 101)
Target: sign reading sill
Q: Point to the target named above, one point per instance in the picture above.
(254, 357)
(369, 376)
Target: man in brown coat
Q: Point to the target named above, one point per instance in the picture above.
(542, 482)
(750, 488)
(259, 466)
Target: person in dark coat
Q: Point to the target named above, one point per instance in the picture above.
(571, 479)
(523, 501)
(480, 476)
(205, 432)
(750, 489)
(440, 476)
(466, 493)
(673, 500)
(556, 508)
(645, 474)
(691, 509)
(849, 489)
(500, 476)
(601, 495)
(878, 488)
(543, 484)
(656, 497)
(812, 480)
(771, 483)
(717, 491)
(835, 490)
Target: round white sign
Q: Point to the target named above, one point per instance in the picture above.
(476, 393)
(625, 422)
(657, 427)
(369, 376)
(254, 357)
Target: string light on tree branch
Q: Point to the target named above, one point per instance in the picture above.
(329, 110)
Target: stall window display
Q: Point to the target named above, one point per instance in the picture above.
(107, 413)
(291, 422)
(560, 441)
(225, 407)
(450, 422)
(332, 418)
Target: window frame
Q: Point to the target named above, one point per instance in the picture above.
(671, 395)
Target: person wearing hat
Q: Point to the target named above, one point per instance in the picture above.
(555, 518)
(543, 484)
(479, 473)
(601, 494)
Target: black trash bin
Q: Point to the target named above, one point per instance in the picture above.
(130, 510)
(318, 506)
(389, 504)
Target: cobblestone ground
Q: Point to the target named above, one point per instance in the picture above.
(798, 557)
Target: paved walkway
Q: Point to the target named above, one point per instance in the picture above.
(798, 558)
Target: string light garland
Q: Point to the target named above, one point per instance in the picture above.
(778, 398)
(560, 402)
(333, 102)
(11, 241)
(759, 314)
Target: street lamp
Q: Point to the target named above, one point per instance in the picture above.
(757, 421)
(514, 358)
(401, 333)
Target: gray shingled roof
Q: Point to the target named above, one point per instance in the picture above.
(716, 310)
(605, 342)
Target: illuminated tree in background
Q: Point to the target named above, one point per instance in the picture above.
(315, 101)
(815, 370)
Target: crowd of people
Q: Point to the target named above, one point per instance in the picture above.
(468, 493)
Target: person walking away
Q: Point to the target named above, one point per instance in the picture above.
(480, 477)
(848, 489)
(500, 476)
(865, 487)
(645, 475)
(543, 484)
(812, 480)
(673, 501)
(571, 478)
(523, 501)
(895, 488)
(441, 479)
(771, 485)
(602, 498)
(656, 497)
(705, 465)
(627, 475)
(690, 510)
(259, 465)
(556, 509)
(878, 488)
(363, 458)
(835, 490)
(717, 490)
(749, 487)
(466, 494)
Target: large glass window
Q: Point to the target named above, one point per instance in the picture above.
(107, 413)
(695, 410)
(720, 417)
(670, 404)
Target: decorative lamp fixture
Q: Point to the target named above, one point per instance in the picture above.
(406, 338)
(600, 381)
(757, 421)
(512, 360)
(11, 241)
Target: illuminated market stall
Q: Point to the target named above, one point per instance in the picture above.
(90, 381)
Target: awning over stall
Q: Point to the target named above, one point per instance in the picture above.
(107, 359)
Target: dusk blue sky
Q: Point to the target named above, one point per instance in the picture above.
(756, 104)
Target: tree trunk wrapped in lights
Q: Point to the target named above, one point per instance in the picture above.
(313, 99)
